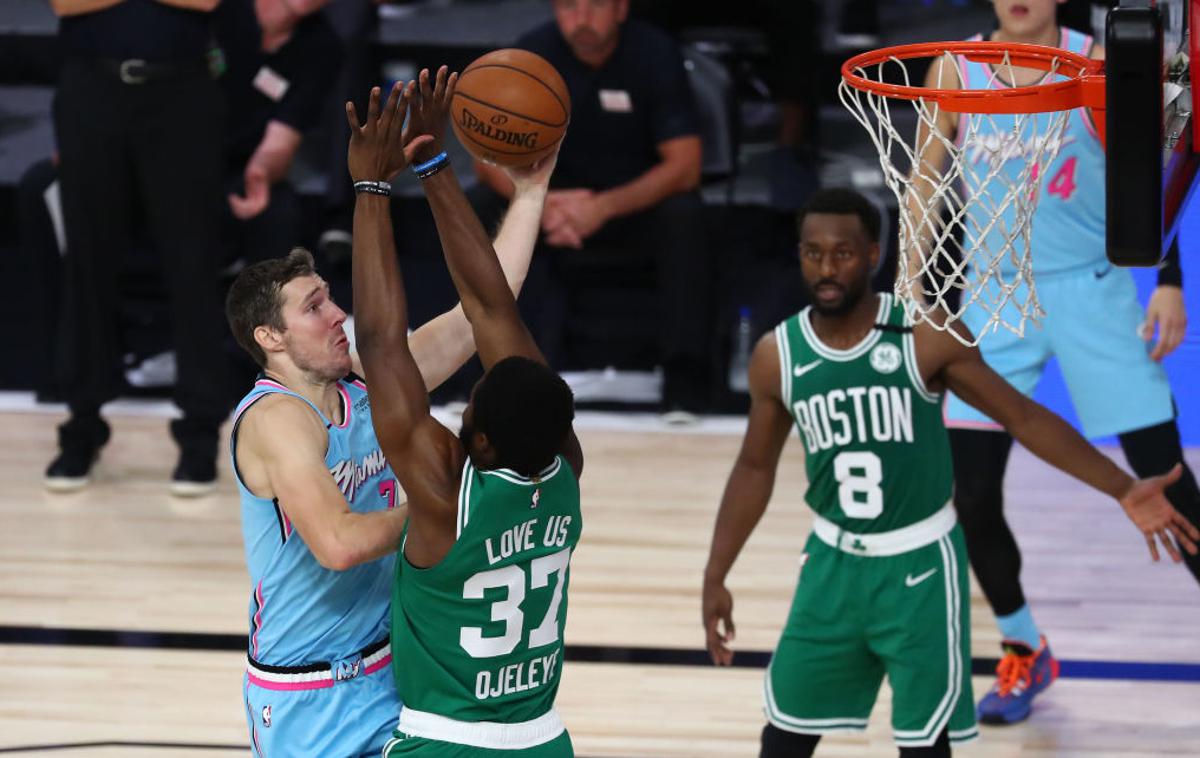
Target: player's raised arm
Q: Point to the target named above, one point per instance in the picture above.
(482, 288)
(1053, 440)
(422, 452)
(746, 495)
(444, 343)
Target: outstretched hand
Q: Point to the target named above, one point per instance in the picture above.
(428, 111)
(1165, 311)
(535, 176)
(1148, 508)
(377, 152)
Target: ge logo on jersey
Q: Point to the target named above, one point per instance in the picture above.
(886, 358)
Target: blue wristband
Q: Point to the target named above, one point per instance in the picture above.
(431, 166)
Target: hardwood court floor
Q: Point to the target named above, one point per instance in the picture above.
(124, 555)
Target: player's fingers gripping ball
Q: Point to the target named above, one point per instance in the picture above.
(510, 108)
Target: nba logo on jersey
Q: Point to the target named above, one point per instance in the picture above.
(266, 716)
(537, 494)
(885, 358)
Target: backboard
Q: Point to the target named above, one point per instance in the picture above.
(1152, 139)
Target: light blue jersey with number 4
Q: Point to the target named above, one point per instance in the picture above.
(1068, 226)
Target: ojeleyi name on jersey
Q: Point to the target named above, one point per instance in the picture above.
(533, 673)
(855, 414)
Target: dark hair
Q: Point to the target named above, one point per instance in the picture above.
(254, 298)
(525, 409)
(842, 201)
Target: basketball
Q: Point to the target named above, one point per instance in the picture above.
(510, 108)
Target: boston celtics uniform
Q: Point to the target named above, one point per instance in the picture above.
(478, 638)
(883, 581)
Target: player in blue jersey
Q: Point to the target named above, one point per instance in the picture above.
(320, 511)
(1094, 325)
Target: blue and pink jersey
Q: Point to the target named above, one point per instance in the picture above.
(302, 613)
(1068, 226)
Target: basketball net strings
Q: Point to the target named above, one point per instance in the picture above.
(966, 226)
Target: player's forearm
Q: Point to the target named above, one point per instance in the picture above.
(518, 234)
(664, 179)
(358, 538)
(380, 306)
(1053, 440)
(64, 8)
(470, 258)
(445, 343)
(441, 346)
(495, 178)
(742, 507)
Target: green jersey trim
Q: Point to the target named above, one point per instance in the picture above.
(509, 475)
(941, 715)
(785, 362)
(881, 544)
(909, 344)
(464, 498)
(849, 354)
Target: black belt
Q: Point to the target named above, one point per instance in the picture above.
(138, 71)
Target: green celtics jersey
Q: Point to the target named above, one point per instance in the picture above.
(479, 636)
(877, 453)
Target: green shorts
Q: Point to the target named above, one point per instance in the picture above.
(421, 747)
(857, 618)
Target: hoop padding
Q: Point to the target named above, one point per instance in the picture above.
(967, 185)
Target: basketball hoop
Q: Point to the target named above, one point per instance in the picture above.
(966, 225)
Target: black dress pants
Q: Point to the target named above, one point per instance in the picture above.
(158, 146)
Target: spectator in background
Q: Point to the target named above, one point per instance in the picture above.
(282, 58)
(627, 178)
(138, 119)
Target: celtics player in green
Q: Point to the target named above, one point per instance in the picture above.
(883, 578)
(480, 599)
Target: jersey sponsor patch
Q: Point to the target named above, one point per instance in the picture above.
(886, 358)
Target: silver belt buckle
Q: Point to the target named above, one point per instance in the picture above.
(126, 73)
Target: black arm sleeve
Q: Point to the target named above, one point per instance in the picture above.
(1169, 271)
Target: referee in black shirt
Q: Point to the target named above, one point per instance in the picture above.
(139, 123)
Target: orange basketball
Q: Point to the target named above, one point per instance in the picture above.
(510, 108)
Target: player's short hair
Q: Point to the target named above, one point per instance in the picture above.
(255, 298)
(842, 201)
(525, 409)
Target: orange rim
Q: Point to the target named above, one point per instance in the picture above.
(1083, 88)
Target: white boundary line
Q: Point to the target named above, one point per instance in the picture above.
(607, 421)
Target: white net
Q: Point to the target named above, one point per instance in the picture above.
(967, 187)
